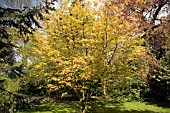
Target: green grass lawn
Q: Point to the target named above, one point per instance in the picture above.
(99, 107)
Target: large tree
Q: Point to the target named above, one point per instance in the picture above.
(81, 48)
(156, 21)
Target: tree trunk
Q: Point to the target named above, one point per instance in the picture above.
(83, 101)
(83, 105)
(104, 88)
(84, 109)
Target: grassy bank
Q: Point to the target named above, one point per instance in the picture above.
(99, 107)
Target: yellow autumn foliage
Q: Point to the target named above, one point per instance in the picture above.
(80, 44)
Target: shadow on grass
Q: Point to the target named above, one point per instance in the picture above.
(94, 107)
(162, 103)
(115, 108)
(55, 108)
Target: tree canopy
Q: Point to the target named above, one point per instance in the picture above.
(80, 47)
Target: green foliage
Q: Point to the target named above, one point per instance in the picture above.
(5, 102)
(159, 74)
(34, 86)
(160, 81)
(10, 101)
(126, 89)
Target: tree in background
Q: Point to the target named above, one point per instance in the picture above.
(14, 25)
(155, 19)
(81, 48)
(153, 16)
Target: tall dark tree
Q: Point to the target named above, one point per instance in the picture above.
(15, 24)
(156, 22)
(18, 22)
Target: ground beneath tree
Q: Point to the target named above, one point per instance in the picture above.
(101, 107)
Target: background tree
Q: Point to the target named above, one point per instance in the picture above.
(14, 25)
(156, 26)
(153, 18)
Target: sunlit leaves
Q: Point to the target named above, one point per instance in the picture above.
(79, 45)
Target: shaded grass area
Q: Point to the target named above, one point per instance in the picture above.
(100, 107)
(55, 107)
